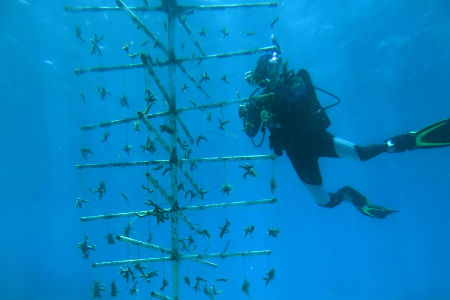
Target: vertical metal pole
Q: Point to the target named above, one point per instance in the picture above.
(173, 156)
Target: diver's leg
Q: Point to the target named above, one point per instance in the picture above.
(305, 161)
(346, 149)
(319, 194)
(307, 168)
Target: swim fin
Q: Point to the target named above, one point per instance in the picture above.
(375, 211)
(363, 205)
(433, 136)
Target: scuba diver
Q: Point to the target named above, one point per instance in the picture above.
(298, 126)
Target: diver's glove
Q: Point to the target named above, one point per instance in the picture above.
(401, 143)
(251, 78)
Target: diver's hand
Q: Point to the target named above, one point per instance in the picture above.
(250, 77)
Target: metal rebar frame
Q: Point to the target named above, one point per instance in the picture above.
(165, 161)
(195, 257)
(174, 12)
(80, 71)
(185, 9)
(145, 213)
(219, 104)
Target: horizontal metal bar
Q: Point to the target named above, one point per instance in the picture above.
(226, 103)
(231, 204)
(225, 254)
(152, 260)
(180, 110)
(187, 8)
(145, 213)
(100, 69)
(121, 121)
(185, 161)
(227, 6)
(80, 71)
(109, 8)
(225, 55)
(114, 216)
(181, 257)
(142, 213)
(123, 164)
(229, 158)
(219, 55)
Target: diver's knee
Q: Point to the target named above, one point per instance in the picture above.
(318, 193)
(345, 149)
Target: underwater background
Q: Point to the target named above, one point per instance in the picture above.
(387, 60)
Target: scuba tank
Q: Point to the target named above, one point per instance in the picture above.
(297, 108)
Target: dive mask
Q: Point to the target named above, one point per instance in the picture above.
(267, 70)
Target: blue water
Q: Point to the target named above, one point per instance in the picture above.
(387, 60)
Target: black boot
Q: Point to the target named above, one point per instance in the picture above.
(335, 200)
(370, 151)
(401, 143)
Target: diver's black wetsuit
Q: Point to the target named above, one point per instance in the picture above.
(298, 125)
